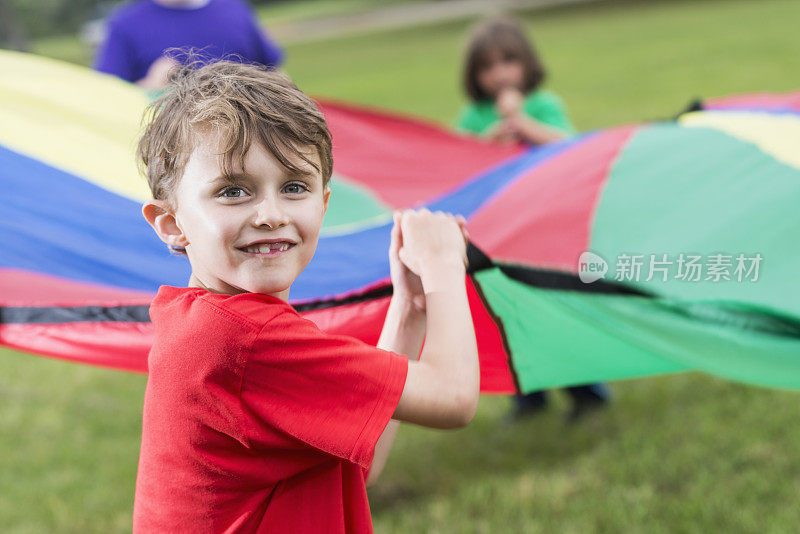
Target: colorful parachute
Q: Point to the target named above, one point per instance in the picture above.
(648, 203)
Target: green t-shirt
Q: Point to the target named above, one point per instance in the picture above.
(542, 105)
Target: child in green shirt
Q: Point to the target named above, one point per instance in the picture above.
(502, 76)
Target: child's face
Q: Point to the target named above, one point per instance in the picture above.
(500, 72)
(253, 232)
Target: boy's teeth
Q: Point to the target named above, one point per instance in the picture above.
(268, 247)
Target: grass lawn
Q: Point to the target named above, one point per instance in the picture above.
(287, 11)
(684, 453)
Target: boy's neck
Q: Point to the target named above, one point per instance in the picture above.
(194, 281)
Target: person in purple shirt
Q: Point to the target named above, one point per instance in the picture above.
(139, 33)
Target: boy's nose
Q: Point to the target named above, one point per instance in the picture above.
(270, 213)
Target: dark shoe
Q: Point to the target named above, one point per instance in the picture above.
(584, 406)
(526, 406)
(517, 414)
(599, 391)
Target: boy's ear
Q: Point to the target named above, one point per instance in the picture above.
(326, 196)
(162, 219)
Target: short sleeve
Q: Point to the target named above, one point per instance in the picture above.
(334, 394)
(114, 54)
(469, 120)
(548, 108)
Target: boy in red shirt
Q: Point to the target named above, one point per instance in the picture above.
(254, 419)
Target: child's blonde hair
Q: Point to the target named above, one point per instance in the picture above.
(246, 103)
(508, 38)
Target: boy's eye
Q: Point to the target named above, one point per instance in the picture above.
(295, 188)
(233, 192)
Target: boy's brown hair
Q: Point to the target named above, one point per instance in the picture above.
(247, 103)
(508, 38)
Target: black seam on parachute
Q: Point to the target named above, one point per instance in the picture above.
(544, 279)
(566, 281)
(74, 314)
(372, 294)
(763, 323)
(696, 104)
(140, 313)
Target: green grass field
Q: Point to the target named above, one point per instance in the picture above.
(684, 453)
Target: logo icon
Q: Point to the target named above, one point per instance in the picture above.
(591, 267)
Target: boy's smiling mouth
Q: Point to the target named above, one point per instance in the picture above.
(269, 247)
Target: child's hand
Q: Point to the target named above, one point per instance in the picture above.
(532, 131)
(509, 102)
(407, 285)
(504, 133)
(158, 74)
(433, 247)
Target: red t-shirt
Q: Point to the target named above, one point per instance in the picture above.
(257, 421)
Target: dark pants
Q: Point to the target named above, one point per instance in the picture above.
(580, 394)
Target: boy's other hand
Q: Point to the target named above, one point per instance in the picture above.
(433, 247)
(407, 285)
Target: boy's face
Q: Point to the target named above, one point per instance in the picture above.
(254, 231)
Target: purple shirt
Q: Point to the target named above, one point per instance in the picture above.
(138, 33)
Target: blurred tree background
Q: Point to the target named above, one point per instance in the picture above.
(23, 20)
